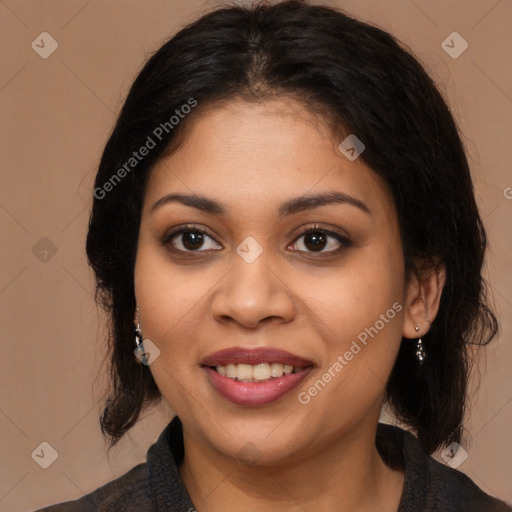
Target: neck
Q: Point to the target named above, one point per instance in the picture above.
(347, 473)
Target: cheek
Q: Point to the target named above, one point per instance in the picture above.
(169, 302)
(360, 313)
(354, 297)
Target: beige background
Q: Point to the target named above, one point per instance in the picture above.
(56, 114)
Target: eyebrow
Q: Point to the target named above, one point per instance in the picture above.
(295, 205)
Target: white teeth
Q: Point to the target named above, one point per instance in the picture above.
(257, 372)
(276, 369)
(231, 371)
(261, 371)
(243, 371)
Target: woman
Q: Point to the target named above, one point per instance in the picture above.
(276, 237)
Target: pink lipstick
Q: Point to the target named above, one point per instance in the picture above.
(256, 376)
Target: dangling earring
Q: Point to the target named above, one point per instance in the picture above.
(139, 351)
(420, 350)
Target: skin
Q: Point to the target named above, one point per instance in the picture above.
(321, 456)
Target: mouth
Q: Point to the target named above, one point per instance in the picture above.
(255, 377)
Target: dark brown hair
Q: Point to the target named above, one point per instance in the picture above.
(372, 87)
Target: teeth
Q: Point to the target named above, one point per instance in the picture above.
(276, 369)
(261, 371)
(231, 371)
(243, 371)
(257, 372)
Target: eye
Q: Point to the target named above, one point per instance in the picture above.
(316, 239)
(190, 239)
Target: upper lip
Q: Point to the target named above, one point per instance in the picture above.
(253, 356)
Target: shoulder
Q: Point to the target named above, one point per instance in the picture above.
(430, 485)
(152, 485)
(127, 493)
(451, 489)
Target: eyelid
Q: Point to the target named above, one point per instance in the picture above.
(336, 232)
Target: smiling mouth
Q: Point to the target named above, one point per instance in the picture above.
(262, 372)
(257, 376)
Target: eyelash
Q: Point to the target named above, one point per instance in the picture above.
(343, 240)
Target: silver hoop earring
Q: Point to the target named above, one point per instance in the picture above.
(420, 349)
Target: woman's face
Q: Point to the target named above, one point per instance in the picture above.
(254, 285)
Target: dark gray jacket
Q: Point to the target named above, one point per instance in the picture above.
(156, 486)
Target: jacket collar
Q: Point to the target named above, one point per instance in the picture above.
(166, 487)
(397, 447)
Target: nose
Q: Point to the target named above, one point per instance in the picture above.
(252, 294)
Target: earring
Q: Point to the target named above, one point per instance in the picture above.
(420, 349)
(139, 351)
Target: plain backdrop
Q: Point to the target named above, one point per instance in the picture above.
(56, 114)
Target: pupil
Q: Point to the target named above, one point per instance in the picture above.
(192, 240)
(317, 241)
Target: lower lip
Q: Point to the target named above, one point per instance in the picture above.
(255, 393)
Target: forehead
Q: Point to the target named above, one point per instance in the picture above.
(261, 154)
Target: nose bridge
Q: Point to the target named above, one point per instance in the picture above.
(251, 291)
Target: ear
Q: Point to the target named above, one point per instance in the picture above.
(422, 300)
